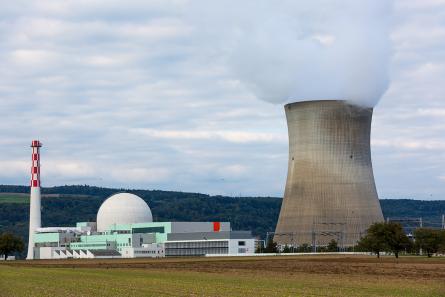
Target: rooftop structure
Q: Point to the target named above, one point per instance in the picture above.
(122, 208)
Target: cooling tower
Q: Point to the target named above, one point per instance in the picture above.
(330, 190)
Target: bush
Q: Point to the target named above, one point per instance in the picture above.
(304, 248)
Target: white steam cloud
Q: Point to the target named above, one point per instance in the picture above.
(286, 51)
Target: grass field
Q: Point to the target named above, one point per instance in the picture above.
(23, 198)
(14, 198)
(269, 276)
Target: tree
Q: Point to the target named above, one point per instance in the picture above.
(429, 240)
(271, 246)
(332, 246)
(10, 243)
(374, 240)
(286, 249)
(388, 237)
(442, 242)
(395, 238)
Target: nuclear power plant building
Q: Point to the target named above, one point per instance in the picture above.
(124, 229)
(330, 190)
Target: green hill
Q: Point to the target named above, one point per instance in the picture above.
(66, 205)
(14, 198)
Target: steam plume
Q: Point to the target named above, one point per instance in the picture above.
(305, 50)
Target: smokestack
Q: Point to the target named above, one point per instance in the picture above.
(330, 190)
(34, 201)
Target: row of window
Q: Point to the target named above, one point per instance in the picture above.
(89, 245)
(195, 252)
(198, 244)
(146, 252)
(149, 230)
(46, 244)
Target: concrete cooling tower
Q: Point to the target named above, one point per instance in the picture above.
(330, 190)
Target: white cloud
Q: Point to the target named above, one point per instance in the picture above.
(235, 170)
(131, 95)
(412, 144)
(28, 57)
(230, 136)
(14, 167)
(139, 175)
(68, 168)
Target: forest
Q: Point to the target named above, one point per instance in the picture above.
(66, 205)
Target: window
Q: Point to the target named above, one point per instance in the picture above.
(149, 230)
(241, 243)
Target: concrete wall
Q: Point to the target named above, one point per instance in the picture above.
(154, 250)
(210, 235)
(242, 246)
(330, 191)
(49, 253)
(139, 239)
(190, 227)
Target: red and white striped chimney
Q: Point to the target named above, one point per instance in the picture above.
(35, 197)
(35, 169)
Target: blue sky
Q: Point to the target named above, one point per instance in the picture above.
(143, 95)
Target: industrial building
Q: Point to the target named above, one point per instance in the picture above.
(124, 229)
(330, 190)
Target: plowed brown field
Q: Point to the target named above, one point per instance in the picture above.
(239, 276)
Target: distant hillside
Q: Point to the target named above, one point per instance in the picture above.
(66, 205)
(80, 203)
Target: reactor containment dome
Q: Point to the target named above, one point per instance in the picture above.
(122, 208)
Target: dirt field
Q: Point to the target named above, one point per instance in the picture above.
(247, 276)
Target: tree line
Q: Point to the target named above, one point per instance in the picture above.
(388, 237)
(258, 214)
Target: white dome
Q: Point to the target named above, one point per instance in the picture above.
(122, 208)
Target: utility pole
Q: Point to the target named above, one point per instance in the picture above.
(314, 248)
(267, 238)
(293, 243)
(443, 221)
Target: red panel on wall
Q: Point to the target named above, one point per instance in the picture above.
(216, 226)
